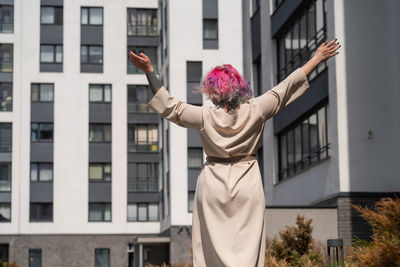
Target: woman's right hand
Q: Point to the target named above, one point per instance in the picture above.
(141, 61)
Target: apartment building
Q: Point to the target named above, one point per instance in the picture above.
(337, 144)
(91, 176)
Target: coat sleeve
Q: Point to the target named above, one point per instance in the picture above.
(284, 93)
(176, 111)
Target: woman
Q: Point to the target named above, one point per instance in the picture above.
(228, 227)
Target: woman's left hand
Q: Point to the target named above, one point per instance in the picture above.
(141, 61)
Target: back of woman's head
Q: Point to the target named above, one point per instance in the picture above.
(224, 86)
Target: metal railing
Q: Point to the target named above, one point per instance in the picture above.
(335, 245)
(145, 185)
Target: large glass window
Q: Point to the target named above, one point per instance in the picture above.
(99, 132)
(143, 211)
(51, 53)
(299, 41)
(210, 29)
(100, 212)
(142, 177)
(138, 98)
(41, 212)
(6, 96)
(51, 15)
(6, 58)
(41, 172)
(6, 18)
(100, 92)
(142, 138)
(142, 22)
(304, 143)
(102, 257)
(5, 176)
(5, 137)
(91, 16)
(91, 54)
(42, 92)
(41, 131)
(150, 51)
(100, 172)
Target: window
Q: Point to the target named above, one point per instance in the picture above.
(51, 15)
(51, 53)
(6, 18)
(5, 176)
(42, 92)
(298, 42)
(35, 258)
(142, 177)
(99, 212)
(138, 98)
(142, 22)
(5, 96)
(5, 137)
(6, 58)
(41, 131)
(41, 212)
(100, 172)
(5, 212)
(41, 172)
(102, 257)
(210, 29)
(190, 200)
(150, 51)
(91, 16)
(4, 251)
(304, 143)
(195, 157)
(99, 92)
(142, 138)
(143, 211)
(91, 54)
(100, 132)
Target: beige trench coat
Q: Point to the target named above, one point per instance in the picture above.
(228, 226)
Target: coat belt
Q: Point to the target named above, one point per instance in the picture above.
(232, 159)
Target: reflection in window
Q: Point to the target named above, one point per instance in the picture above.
(6, 18)
(51, 15)
(51, 53)
(138, 98)
(91, 54)
(297, 44)
(41, 172)
(42, 92)
(142, 22)
(41, 131)
(304, 143)
(99, 212)
(142, 177)
(143, 211)
(142, 137)
(91, 16)
(100, 132)
(6, 57)
(99, 92)
(5, 177)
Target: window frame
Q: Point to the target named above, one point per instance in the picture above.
(103, 132)
(133, 146)
(138, 106)
(3, 63)
(6, 126)
(38, 169)
(55, 13)
(149, 28)
(322, 153)
(9, 176)
(37, 211)
(151, 181)
(9, 207)
(103, 89)
(39, 93)
(2, 18)
(202, 158)
(103, 206)
(102, 249)
(6, 86)
(88, 62)
(88, 8)
(54, 46)
(103, 166)
(205, 20)
(38, 131)
(146, 204)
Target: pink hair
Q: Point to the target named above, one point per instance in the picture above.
(224, 85)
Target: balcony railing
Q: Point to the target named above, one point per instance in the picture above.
(142, 30)
(149, 147)
(6, 66)
(6, 27)
(139, 107)
(5, 186)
